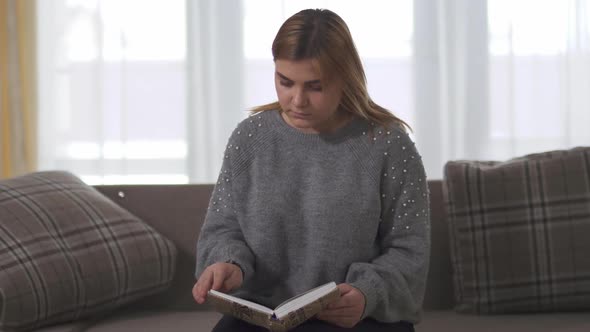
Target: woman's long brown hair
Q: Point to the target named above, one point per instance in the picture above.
(321, 35)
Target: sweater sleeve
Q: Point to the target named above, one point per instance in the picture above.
(394, 281)
(221, 238)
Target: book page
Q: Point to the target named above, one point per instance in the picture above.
(238, 300)
(301, 300)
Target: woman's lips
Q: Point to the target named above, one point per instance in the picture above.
(300, 115)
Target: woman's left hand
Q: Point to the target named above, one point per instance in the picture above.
(348, 310)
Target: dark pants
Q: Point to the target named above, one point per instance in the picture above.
(230, 324)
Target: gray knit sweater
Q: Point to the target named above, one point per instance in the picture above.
(297, 210)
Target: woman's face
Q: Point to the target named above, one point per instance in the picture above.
(309, 104)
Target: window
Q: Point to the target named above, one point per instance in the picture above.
(535, 58)
(112, 89)
(149, 91)
(120, 99)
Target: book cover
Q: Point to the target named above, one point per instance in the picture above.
(285, 316)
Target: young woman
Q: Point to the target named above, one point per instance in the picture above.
(322, 185)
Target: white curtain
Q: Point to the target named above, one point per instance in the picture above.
(497, 79)
(149, 91)
(112, 89)
(215, 85)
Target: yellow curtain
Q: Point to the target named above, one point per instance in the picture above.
(17, 87)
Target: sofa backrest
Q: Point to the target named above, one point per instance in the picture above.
(178, 212)
(439, 287)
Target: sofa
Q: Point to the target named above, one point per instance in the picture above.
(177, 212)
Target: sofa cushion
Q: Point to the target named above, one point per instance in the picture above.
(450, 321)
(519, 232)
(157, 321)
(68, 252)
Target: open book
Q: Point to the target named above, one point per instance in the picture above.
(287, 315)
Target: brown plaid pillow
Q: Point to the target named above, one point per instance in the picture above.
(67, 252)
(519, 232)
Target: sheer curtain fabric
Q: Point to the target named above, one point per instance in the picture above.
(151, 95)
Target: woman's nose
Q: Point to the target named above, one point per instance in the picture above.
(300, 98)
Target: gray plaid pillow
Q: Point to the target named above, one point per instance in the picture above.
(519, 232)
(68, 252)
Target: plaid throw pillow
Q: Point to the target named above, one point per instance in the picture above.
(519, 232)
(67, 252)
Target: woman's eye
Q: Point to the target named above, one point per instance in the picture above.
(315, 88)
(285, 83)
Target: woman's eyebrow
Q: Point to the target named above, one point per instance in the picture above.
(283, 77)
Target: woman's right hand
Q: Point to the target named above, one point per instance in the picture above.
(222, 277)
